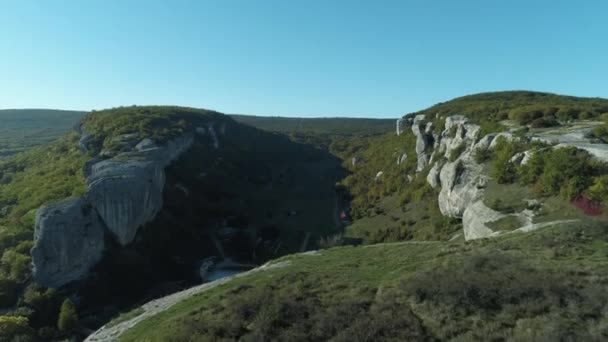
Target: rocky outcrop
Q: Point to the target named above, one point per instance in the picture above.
(84, 142)
(423, 140)
(68, 241)
(378, 175)
(123, 193)
(127, 190)
(462, 183)
(433, 177)
(475, 218)
(527, 156)
(402, 158)
(461, 179)
(401, 125)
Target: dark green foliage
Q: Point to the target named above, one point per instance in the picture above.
(68, 318)
(543, 122)
(600, 133)
(502, 169)
(8, 292)
(16, 328)
(566, 171)
(319, 126)
(481, 155)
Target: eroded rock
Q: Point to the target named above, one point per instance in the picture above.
(68, 242)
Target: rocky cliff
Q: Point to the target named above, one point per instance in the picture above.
(125, 186)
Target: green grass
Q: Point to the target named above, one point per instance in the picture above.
(507, 198)
(508, 223)
(440, 290)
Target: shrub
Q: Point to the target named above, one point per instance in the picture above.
(567, 171)
(68, 318)
(600, 133)
(502, 169)
(15, 328)
(599, 190)
(481, 155)
(457, 151)
(543, 122)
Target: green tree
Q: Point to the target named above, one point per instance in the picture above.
(68, 318)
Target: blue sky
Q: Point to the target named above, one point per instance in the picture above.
(296, 58)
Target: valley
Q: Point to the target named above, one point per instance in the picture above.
(294, 225)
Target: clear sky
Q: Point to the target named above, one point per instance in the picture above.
(296, 58)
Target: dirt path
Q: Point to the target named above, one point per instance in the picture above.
(106, 334)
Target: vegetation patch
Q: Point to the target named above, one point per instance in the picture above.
(553, 275)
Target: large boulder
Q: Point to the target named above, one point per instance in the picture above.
(461, 184)
(433, 177)
(475, 218)
(68, 242)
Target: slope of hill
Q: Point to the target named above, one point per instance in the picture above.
(24, 128)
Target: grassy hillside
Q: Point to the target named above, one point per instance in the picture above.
(544, 285)
(22, 129)
(524, 107)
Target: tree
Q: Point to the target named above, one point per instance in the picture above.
(68, 318)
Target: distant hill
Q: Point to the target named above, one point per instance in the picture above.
(343, 126)
(21, 129)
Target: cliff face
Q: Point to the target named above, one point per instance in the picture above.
(123, 193)
(69, 241)
(127, 190)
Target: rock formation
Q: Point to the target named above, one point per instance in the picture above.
(69, 240)
(461, 179)
(423, 141)
(401, 159)
(124, 191)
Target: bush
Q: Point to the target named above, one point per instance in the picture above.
(600, 133)
(599, 190)
(502, 169)
(15, 328)
(456, 152)
(481, 155)
(543, 122)
(68, 318)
